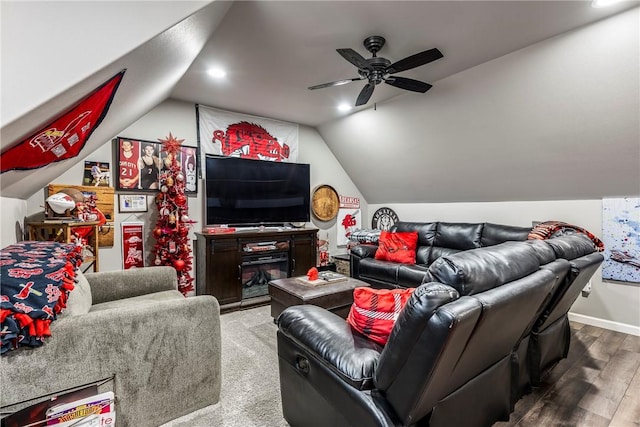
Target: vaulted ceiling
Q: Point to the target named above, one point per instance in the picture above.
(467, 139)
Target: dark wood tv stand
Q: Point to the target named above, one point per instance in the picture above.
(224, 260)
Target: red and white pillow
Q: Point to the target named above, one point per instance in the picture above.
(374, 311)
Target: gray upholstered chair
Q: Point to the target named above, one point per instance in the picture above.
(162, 348)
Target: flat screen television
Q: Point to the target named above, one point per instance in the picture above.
(255, 192)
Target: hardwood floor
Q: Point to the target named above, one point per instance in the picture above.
(597, 385)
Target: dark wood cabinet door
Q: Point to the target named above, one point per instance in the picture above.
(303, 253)
(223, 271)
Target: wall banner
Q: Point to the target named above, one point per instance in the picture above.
(132, 245)
(65, 136)
(348, 221)
(237, 135)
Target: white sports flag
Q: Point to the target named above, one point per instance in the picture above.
(238, 135)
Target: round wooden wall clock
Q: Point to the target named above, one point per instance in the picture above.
(325, 203)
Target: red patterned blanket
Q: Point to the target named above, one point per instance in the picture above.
(550, 229)
(35, 279)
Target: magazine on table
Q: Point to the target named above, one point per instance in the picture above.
(95, 411)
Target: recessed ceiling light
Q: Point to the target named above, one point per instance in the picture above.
(344, 107)
(603, 3)
(217, 73)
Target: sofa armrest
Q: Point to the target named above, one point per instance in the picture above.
(359, 253)
(166, 358)
(331, 339)
(114, 285)
(364, 250)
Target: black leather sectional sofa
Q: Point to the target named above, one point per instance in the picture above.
(481, 328)
(435, 239)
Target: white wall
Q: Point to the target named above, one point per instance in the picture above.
(612, 305)
(557, 120)
(179, 118)
(12, 216)
(98, 32)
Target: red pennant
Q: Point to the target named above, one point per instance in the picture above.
(65, 136)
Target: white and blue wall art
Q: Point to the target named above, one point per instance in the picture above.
(621, 236)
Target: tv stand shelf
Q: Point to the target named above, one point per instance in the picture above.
(221, 257)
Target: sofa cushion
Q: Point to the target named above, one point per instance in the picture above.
(437, 252)
(380, 270)
(458, 235)
(374, 311)
(478, 270)
(493, 234)
(426, 231)
(79, 301)
(138, 300)
(543, 251)
(571, 246)
(397, 247)
(411, 275)
(423, 255)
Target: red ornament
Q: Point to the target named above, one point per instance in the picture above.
(181, 200)
(157, 232)
(178, 264)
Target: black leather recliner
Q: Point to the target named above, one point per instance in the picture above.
(450, 359)
(551, 334)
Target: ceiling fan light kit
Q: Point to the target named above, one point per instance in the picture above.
(378, 69)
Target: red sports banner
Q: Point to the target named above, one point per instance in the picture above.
(132, 245)
(65, 136)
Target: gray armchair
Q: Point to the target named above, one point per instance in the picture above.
(162, 348)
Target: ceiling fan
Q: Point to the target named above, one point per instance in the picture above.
(377, 69)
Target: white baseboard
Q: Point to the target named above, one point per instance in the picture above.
(605, 324)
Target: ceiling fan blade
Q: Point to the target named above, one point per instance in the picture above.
(355, 58)
(336, 83)
(414, 61)
(365, 94)
(408, 84)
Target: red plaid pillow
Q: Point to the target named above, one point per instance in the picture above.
(374, 311)
(397, 247)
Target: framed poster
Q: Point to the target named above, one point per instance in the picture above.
(132, 203)
(140, 164)
(188, 162)
(621, 237)
(127, 153)
(96, 174)
(132, 245)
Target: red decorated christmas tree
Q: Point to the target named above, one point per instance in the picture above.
(172, 229)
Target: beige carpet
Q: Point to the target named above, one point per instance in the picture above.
(250, 395)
